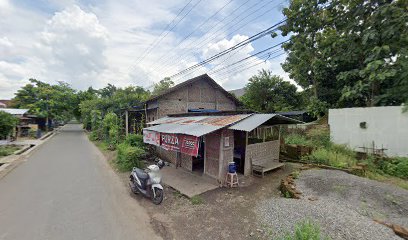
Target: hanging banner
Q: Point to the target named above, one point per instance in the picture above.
(180, 143)
(189, 145)
(170, 141)
(151, 137)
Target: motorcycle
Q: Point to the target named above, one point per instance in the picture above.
(148, 182)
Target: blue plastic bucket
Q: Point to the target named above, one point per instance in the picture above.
(232, 168)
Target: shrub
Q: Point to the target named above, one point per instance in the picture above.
(297, 139)
(111, 128)
(7, 123)
(397, 166)
(320, 137)
(129, 157)
(305, 230)
(94, 135)
(135, 140)
(332, 157)
(7, 150)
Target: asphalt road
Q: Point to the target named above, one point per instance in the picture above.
(65, 190)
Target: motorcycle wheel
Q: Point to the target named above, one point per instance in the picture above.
(133, 188)
(159, 196)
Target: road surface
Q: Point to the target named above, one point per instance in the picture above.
(65, 190)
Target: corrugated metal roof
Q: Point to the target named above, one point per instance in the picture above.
(201, 125)
(193, 130)
(196, 125)
(14, 111)
(255, 120)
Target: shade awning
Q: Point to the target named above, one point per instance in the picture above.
(193, 130)
(250, 123)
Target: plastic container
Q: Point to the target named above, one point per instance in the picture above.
(232, 168)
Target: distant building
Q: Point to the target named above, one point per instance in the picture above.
(199, 94)
(5, 103)
(379, 130)
(303, 116)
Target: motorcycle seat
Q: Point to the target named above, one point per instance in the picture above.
(141, 174)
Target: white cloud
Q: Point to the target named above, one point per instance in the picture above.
(98, 42)
(73, 44)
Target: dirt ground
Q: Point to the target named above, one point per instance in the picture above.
(224, 213)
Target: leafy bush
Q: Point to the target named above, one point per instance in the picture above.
(129, 157)
(332, 157)
(7, 150)
(94, 135)
(297, 139)
(7, 123)
(305, 230)
(135, 140)
(111, 128)
(320, 137)
(397, 166)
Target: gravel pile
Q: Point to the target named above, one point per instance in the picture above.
(344, 209)
(370, 198)
(280, 215)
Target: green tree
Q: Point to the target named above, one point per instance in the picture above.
(270, 93)
(94, 107)
(349, 53)
(45, 100)
(7, 123)
(163, 85)
(111, 128)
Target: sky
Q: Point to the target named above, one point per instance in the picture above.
(123, 42)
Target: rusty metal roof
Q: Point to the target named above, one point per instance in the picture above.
(195, 126)
(202, 125)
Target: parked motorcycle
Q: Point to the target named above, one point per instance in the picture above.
(148, 182)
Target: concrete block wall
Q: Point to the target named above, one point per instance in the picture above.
(226, 153)
(261, 153)
(386, 127)
(171, 156)
(212, 153)
(195, 96)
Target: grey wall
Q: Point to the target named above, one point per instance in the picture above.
(386, 126)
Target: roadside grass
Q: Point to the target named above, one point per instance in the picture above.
(388, 179)
(390, 170)
(129, 153)
(196, 200)
(305, 230)
(8, 150)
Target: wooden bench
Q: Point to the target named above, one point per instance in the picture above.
(259, 170)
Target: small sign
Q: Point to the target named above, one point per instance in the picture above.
(226, 142)
(151, 137)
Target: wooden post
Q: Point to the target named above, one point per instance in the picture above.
(264, 133)
(127, 122)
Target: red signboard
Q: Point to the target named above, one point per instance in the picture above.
(179, 143)
(189, 145)
(170, 141)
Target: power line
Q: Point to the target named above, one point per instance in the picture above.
(250, 39)
(175, 54)
(265, 57)
(215, 70)
(244, 69)
(214, 36)
(152, 47)
(197, 28)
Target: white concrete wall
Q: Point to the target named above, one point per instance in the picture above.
(386, 126)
